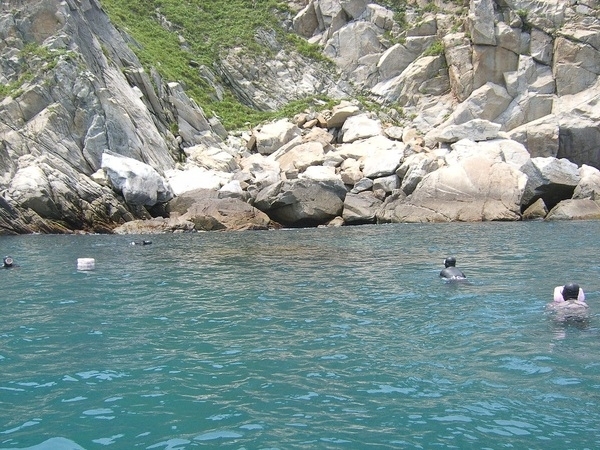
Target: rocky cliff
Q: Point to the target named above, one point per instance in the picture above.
(485, 111)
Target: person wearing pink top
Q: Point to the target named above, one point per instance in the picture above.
(569, 291)
(569, 304)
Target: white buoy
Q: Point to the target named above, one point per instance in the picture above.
(86, 263)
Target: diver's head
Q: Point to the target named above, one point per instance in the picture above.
(450, 261)
(570, 291)
(8, 261)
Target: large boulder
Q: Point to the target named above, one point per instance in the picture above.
(475, 130)
(208, 212)
(302, 156)
(46, 188)
(352, 42)
(157, 225)
(360, 126)
(139, 183)
(361, 208)
(476, 188)
(194, 177)
(272, 136)
(589, 183)
(302, 202)
(550, 179)
(581, 209)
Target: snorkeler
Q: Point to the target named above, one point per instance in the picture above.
(450, 271)
(141, 243)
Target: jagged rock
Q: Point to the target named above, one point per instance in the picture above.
(540, 137)
(422, 77)
(500, 150)
(46, 187)
(263, 170)
(579, 137)
(18, 221)
(335, 222)
(233, 189)
(352, 42)
(458, 54)
(268, 83)
(314, 135)
(490, 63)
(475, 130)
(530, 77)
(481, 22)
(589, 184)
(394, 133)
(398, 57)
(364, 184)
(350, 172)
(486, 103)
(321, 173)
(414, 168)
(541, 46)
(230, 214)
(550, 179)
(475, 189)
(386, 184)
(380, 16)
(537, 210)
(577, 66)
(139, 183)
(192, 124)
(524, 109)
(354, 8)
(306, 23)
(340, 113)
(329, 14)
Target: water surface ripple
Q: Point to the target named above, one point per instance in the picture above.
(317, 338)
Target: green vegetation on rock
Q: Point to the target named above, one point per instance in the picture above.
(178, 36)
(35, 59)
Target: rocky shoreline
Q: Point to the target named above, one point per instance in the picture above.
(498, 124)
(343, 167)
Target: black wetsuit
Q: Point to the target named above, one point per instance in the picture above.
(452, 272)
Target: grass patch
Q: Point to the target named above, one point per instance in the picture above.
(36, 59)
(435, 49)
(208, 28)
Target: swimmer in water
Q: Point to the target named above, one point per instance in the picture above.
(569, 291)
(450, 271)
(141, 243)
(569, 304)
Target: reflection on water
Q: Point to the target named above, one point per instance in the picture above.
(321, 338)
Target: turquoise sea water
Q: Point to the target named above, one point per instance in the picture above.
(320, 338)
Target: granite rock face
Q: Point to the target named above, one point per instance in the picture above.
(490, 117)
